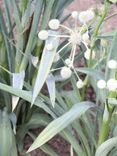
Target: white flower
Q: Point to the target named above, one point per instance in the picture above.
(43, 34)
(56, 58)
(87, 54)
(112, 84)
(54, 24)
(112, 64)
(101, 84)
(90, 14)
(74, 14)
(65, 72)
(85, 37)
(80, 84)
(49, 46)
(75, 38)
(68, 61)
(86, 16)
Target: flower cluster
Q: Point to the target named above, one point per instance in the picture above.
(111, 84)
(75, 36)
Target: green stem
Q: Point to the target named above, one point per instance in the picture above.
(94, 36)
(104, 133)
(105, 130)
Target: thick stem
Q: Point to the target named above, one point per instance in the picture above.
(104, 133)
(104, 13)
(109, 108)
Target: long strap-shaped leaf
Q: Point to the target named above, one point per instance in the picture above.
(45, 65)
(106, 147)
(51, 88)
(112, 56)
(26, 95)
(59, 124)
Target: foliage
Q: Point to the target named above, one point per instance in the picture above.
(33, 55)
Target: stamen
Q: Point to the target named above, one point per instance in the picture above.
(63, 47)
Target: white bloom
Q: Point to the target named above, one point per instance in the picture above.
(87, 54)
(74, 14)
(80, 84)
(86, 16)
(65, 72)
(75, 38)
(68, 61)
(85, 37)
(54, 24)
(56, 58)
(101, 84)
(43, 34)
(112, 84)
(90, 14)
(112, 64)
(49, 46)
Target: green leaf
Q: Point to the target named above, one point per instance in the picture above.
(112, 56)
(26, 95)
(17, 82)
(106, 147)
(59, 124)
(33, 33)
(112, 101)
(6, 135)
(51, 88)
(37, 120)
(113, 1)
(91, 72)
(45, 65)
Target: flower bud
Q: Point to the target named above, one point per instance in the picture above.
(112, 84)
(54, 24)
(80, 84)
(112, 64)
(65, 72)
(101, 84)
(43, 34)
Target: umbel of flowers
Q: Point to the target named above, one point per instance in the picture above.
(75, 36)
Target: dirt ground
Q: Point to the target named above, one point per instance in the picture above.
(81, 5)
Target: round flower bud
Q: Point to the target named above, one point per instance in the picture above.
(43, 34)
(85, 37)
(54, 24)
(49, 46)
(83, 17)
(87, 54)
(112, 64)
(90, 14)
(65, 72)
(74, 14)
(68, 61)
(86, 16)
(112, 84)
(56, 58)
(80, 84)
(101, 84)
